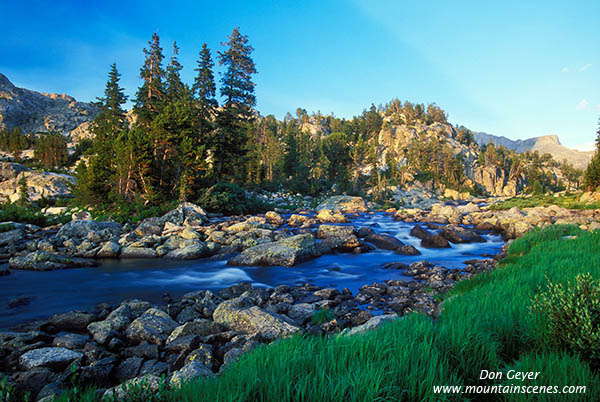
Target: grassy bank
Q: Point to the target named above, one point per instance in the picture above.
(570, 201)
(487, 324)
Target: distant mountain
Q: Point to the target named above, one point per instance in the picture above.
(42, 112)
(545, 144)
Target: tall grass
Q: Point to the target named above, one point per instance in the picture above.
(485, 325)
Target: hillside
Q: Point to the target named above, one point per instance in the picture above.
(545, 144)
(42, 112)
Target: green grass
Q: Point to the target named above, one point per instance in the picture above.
(29, 214)
(570, 201)
(486, 324)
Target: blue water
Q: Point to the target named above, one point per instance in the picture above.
(115, 280)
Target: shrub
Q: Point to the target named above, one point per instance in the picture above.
(230, 199)
(28, 214)
(573, 315)
(321, 316)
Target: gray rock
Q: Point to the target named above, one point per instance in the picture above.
(434, 241)
(154, 326)
(128, 368)
(45, 261)
(9, 170)
(138, 252)
(200, 327)
(373, 323)
(344, 203)
(408, 250)
(72, 321)
(237, 315)
(116, 322)
(301, 312)
(193, 251)
(384, 241)
(149, 383)
(47, 185)
(286, 252)
(193, 369)
(186, 214)
(109, 249)
(71, 341)
(80, 229)
(325, 231)
(54, 358)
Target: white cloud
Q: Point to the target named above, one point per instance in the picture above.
(585, 67)
(565, 70)
(582, 104)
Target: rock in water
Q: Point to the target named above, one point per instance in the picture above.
(344, 203)
(384, 241)
(45, 261)
(435, 241)
(54, 358)
(286, 252)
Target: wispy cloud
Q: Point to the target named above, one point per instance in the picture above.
(565, 70)
(582, 104)
(583, 68)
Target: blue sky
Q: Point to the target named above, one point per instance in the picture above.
(513, 68)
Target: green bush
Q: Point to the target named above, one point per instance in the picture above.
(572, 312)
(230, 199)
(29, 214)
(321, 316)
(130, 211)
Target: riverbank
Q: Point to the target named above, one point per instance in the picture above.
(486, 324)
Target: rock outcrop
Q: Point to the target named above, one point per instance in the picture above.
(41, 112)
(40, 185)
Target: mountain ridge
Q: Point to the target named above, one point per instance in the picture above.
(543, 144)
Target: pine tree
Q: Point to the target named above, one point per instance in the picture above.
(175, 87)
(238, 90)
(204, 87)
(591, 179)
(150, 95)
(95, 181)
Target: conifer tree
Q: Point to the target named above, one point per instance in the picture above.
(175, 87)
(237, 89)
(151, 94)
(591, 179)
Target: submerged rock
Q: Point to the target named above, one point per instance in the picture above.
(384, 241)
(435, 241)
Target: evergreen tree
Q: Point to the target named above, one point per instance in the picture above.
(150, 95)
(95, 181)
(175, 87)
(237, 89)
(204, 87)
(592, 174)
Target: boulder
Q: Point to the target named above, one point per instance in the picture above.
(448, 212)
(241, 316)
(373, 323)
(286, 252)
(71, 341)
(153, 326)
(138, 252)
(186, 214)
(434, 241)
(419, 232)
(408, 250)
(193, 251)
(325, 231)
(46, 185)
(110, 249)
(200, 327)
(344, 203)
(81, 216)
(45, 261)
(299, 220)
(148, 383)
(77, 321)
(384, 241)
(328, 216)
(191, 370)
(301, 312)
(274, 218)
(459, 234)
(10, 170)
(116, 322)
(54, 358)
(80, 229)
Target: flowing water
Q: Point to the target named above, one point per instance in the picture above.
(116, 280)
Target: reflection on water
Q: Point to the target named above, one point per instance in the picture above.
(115, 280)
